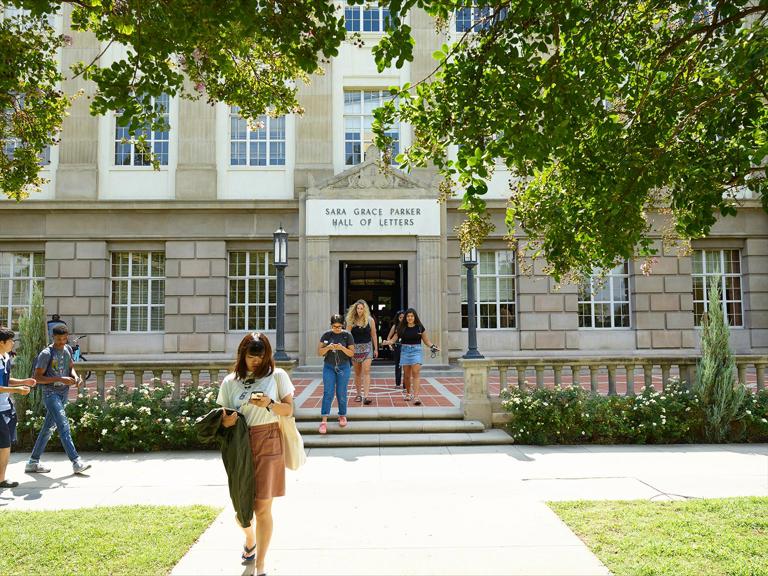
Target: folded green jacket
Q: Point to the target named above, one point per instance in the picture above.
(235, 445)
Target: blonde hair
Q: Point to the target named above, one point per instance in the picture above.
(352, 315)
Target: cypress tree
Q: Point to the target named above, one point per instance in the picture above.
(720, 394)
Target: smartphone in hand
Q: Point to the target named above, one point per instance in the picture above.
(256, 395)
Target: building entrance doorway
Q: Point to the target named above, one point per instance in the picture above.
(383, 285)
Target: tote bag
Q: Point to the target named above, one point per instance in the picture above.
(293, 445)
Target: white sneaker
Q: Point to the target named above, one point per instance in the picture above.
(36, 468)
(79, 466)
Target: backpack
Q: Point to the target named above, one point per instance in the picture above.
(50, 359)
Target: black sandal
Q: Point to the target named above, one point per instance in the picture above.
(367, 401)
(249, 555)
(7, 484)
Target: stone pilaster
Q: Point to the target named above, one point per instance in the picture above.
(196, 168)
(755, 291)
(195, 296)
(430, 290)
(317, 294)
(77, 174)
(77, 288)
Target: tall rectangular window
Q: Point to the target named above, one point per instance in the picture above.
(260, 145)
(138, 292)
(157, 141)
(604, 299)
(358, 121)
(369, 17)
(474, 18)
(252, 291)
(20, 272)
(725, 264)
(494, 291)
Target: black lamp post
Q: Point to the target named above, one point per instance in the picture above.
(281, 261)
(470, 260)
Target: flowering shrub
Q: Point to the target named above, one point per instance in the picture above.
(574, 416)
(139, 419)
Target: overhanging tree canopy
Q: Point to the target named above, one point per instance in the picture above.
(248, 53)
(605, 110)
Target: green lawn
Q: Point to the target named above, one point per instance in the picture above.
(122, 540)
(722, 537)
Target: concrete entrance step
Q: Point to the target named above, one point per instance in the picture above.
(488, 437)
(393, 426)
(385, 371)
(373, 413)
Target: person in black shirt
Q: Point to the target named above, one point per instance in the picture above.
(337, 346)
(411, 334)
(363, 329)
(396, 347)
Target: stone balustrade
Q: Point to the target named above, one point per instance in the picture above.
(599, 374)
(135, 372)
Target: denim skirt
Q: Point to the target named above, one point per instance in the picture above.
(411, 354)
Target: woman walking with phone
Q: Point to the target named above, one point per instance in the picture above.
(363, 329)
(260, 393)
(337, 346)
(411, 334)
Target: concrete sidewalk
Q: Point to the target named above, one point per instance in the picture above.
(391, 511)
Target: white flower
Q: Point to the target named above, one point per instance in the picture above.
(134, 427)
(749, 413)
(145, 410)
(103, 431)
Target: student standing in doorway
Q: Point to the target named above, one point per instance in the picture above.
(363, 329)
(337, 346)
(411, 335)
(399, 316)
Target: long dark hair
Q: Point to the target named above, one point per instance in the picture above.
(257, 344)
(404, 324)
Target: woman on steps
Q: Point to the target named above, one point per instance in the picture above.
(363, 329)
(337, 347)
(411, 334)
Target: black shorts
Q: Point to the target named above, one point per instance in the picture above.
(7, 428)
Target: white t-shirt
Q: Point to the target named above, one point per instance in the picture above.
(234, 395)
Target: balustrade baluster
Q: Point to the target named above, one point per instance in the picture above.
(119, 377)
(760, 373)
(557, 369)
(593, 374)
(158, 376)
(665, 369)
(100, 374)
(648, 376)
(630, 369)
(741, 367)
(176, 374)
(540, 376)
(195, 377)
(520, 376)
(502, 379)
(611, 379)
(575, 376)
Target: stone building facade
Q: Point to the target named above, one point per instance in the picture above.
(177, 261)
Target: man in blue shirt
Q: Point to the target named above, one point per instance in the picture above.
(55, 372)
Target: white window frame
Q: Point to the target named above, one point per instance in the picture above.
(152, 281)
(476, 14)
(151, 141)
(498, 302)
(372, 10)
(597, 282)
(269, 279)
(253, 137)
(361, 116)
(707, 274)
(10, 280)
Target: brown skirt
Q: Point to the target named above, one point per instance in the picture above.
(268, 461)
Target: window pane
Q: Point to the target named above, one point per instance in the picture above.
(732, 262)
(119, 319)
(138, 319)
(697, 262)
(120, 264)
(140, 264)
(712, 262)
(139, 292)
(120, 292)
(158, 292)
(21, 265)
(237, 263)
(506, 263)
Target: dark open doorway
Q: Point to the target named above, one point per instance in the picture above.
(384, 285)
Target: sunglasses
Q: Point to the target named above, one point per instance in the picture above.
(339, 326)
